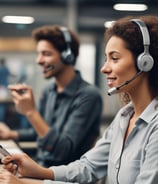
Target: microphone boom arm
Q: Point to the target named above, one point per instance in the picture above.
(113, 90)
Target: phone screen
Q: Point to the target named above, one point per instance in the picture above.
(3, 152)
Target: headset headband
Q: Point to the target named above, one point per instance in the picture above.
(145, 61)
(144, 31)
(66, 34)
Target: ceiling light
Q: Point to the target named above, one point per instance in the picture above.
(130, 7)
(18, 19)
(108, 24)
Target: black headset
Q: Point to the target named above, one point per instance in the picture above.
(145, 61)
(67, 56)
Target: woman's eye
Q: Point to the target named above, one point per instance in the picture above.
(114, 58)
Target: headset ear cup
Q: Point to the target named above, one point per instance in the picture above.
(67, 57)
(145, 62)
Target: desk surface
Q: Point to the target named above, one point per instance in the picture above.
(35, 181)
(12, 147)
(32, 181)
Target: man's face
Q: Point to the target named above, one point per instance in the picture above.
(49, 59)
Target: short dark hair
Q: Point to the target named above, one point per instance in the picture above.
(54, 35)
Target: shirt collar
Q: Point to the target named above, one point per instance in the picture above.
(128, 109)
(72, 86)
(150, 112)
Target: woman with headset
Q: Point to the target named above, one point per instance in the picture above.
(127, 153)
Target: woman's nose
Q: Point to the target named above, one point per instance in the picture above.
(105, 68)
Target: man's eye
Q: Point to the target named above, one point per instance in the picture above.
(47, 54)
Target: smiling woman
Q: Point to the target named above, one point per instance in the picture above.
(116, 60)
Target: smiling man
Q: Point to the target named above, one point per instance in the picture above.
(69, 114)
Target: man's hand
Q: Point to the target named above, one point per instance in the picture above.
(6, 133)
(23, 98)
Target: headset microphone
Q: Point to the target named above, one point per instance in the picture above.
(115, 89)
(50, 67)
(53, 66)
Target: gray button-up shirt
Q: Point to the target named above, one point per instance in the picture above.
(134, 162)
(74, 118)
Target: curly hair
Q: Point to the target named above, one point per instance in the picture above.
(125, 29)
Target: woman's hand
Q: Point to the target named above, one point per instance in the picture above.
(26, 167)
(8, 178)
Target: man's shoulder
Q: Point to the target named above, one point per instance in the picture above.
(90, 89)
(47, 88)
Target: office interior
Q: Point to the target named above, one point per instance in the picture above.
(87, 17)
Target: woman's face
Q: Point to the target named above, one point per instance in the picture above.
(120, 64)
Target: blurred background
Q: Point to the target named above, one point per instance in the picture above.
(88, 18)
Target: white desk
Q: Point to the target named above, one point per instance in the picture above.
(57, 182)
(32, 181)
(12, 147)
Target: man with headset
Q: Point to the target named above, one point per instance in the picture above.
(68, 119)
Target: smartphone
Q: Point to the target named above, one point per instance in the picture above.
(21, 92)
(3, 153)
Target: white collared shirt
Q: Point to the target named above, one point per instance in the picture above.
(134, 162)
